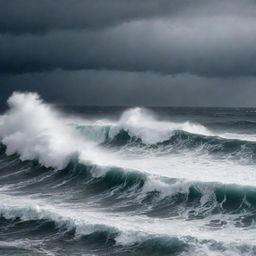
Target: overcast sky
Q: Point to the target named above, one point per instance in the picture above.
(130, 52)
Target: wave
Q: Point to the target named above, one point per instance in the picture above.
(92, 231)
(37, 222)
(139, 123)
(178, 141)
(36, 131)
(143, 125)
(130, 191)
(99, 240)
(139, 128)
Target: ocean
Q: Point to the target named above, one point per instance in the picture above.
(119, 181)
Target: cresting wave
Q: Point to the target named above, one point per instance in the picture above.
(35, 131)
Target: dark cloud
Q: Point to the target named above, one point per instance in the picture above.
(39, 16)
(131, 88)
(130, 52)
(203, 46)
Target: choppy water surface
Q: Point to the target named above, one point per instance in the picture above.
(119, 181)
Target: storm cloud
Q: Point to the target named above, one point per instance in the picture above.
(190, 41)
(200, 46)
(117, 88)
(36, 16)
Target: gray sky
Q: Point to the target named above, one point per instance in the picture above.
(136, 52)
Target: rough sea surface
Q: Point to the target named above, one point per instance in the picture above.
(126, 181)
